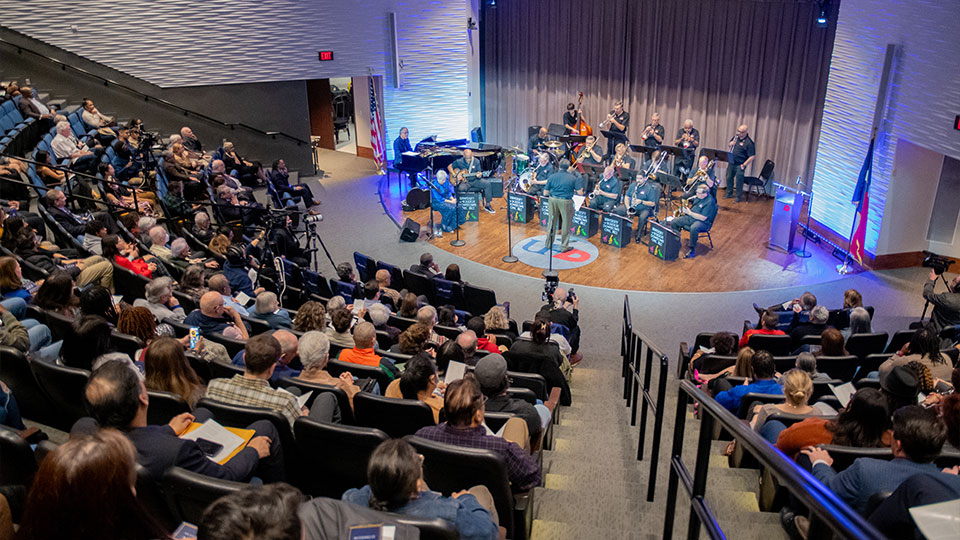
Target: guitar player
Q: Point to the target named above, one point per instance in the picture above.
(468, 169)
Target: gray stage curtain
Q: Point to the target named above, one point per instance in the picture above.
(718, 62)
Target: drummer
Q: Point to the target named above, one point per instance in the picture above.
(537, 141)
(544, 169)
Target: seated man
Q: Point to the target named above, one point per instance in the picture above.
(467, 340)
(268, 309)
(158, 242)
(215, 318)
(371, 296)
(236, 271)
(918, 437)
(566, 313)
(543, 170)
(363, 353)
(65, 145)
(201, 227)
(485, 342)
(768, 327)
(160, 300)
(181, 257)
(427, 316)
(426, 268)
(763, 382)
(463, 405)
(74, 224)
(643, 197)
(252, 389)
(814, 327)
(696, 218)
(220, 284)
(492, 376)
(31, 107)
(125, 161)
(279, 177)
(93, 232)
(116, 398)
(607, 191)
(289, 349)
(383, 281)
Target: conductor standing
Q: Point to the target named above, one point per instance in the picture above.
(560, 188)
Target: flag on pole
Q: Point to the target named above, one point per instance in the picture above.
(376, 130)
(861, 196)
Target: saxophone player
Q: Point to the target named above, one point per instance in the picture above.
(540, 174)
(697, 218)
(604, 196)
(642, 198)
(688, 138)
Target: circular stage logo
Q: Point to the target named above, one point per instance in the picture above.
(531, 251)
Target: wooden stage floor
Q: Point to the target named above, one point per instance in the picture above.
(740, 259)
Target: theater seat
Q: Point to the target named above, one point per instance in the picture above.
(430, 529)
(861, 345)
(343, 402)
(775, 345)
(164, 406)
(188, 494)
(366, 266)
(63, 387)
(395, 417)
(749, 400)
(336, 367)
(335, 456)
(16, 373)
(18, 464)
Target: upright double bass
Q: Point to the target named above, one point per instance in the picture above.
(582, 127)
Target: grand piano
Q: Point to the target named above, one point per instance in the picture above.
(432, 155)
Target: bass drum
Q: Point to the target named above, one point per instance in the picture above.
(523, 183)
(520, 163)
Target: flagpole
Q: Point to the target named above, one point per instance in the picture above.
(844, 268)
(381, 164)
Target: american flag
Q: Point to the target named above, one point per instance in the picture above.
(376, 130)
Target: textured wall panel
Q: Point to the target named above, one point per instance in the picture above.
(210, 42)
(924, 99)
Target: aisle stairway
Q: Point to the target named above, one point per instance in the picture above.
(595, 488)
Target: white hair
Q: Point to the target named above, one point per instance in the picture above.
(441, 175)
(201, 217)
(314, 349)
(266, 302)
(178, 247)
(175, 138)
(63, 125)
(146, 223)
(157, 288)
(158, 235)
(379, 314)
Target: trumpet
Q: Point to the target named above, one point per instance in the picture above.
(606, 123)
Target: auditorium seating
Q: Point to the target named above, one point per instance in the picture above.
(395, 417)
(343, 401)
(164, 406)
(335, 456)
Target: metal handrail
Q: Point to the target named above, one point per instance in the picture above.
(828, 512)
(148, 98)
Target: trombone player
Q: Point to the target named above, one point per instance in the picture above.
(604, 196)
(697, 218)
(641, 199)
(704, 176)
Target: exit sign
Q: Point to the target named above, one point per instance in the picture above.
(326, 56)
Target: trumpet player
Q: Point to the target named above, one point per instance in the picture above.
(642, 199)
(688, 138)
(604, 196)
(652, 136)
(697, 218)
(741, 154)
(540, 174)
(616, 123)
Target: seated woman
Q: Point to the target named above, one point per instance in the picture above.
(94, 269)
(498, 323)
(742, 368)
(201, 227)
(314, 350)
(62, 488)
(310, 316)
(797, 388)
(12, 282)
(808, 363)
(117, 193)
(166, 369)
(140, 323)
(96, 300)
(418, 381)
(89, 346)
(863, 423)
(452, 273)
(831, 344)
(412, 340)
(47, 172)
(722, 343)
(57, 294)
(859, 323)
(924, 347)
(193, 281)
(409, 306)
(127, 256)
(395, 476)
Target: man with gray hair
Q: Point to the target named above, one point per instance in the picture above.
(688, 138)
(268, 310)
(379, 315)
(814, 327)
(467, 340)
(161, 301)
(158, 242)
(145, 223)
(427, 316)
(314, 354)
(65, 145)
(220, 284)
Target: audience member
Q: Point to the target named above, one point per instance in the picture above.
(566, 312)
(900, 387)
(449, 352)
(289, 345)
(395, 476)
(539, 355)
(214, 317)
(127, 256)
(160, 300)
(47, 170)
(314, 354)
(252, 388)
(72, 488)
(463, 407)
(371, 296)
(31, 107)
(66, 146)
(491, 373)
(852, 299)
(496, 320)
(720, 344)
(946, 305)
(95, 300)
(815, 325)
(379, 315)
(762, 383)
(427, 268)
(427, 316)
(310, 316)
(93, 231)
(863, 423)
(418, 381)
(166, 369)
(236, 271)
(90, 270)
(918, 436)
(268, 309)
(341, 321)
(924, 347)
(363, 352)
(251, 173)
(831, 343)
(798, 389)
(412, 340)
(88, 346)
(859, 323)
(192, 282)
(57, 294)
(768, 327)
(485, 342)
(452, 273)
(201, 227)
(447, 316)
(383, 281)
(265, 513)
(808, 363)
(279, 177)
(468, 343)
(25, 335)
(741, 368)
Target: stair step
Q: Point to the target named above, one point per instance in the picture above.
(555, 530)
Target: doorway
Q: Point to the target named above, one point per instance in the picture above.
(344, 119)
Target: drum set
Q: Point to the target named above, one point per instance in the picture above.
(517, 166)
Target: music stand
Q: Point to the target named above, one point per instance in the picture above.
(626, 174)
(592, 171)
(557, 130)
(642, 149)
(616, 136)
(669, 183)
(674, 151)
(721, 156)
(573, 139)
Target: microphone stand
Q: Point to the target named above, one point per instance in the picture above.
(456, 193)
(510, 257)
(802, 252)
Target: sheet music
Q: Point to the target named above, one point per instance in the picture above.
(578, 202)
(844, 392)
(242, 299)
(455, 372)
(302, 399)
(938, 521)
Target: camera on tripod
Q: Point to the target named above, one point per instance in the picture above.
(550, 287)
(313, 218)
(938, 263)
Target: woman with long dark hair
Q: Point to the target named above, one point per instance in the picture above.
(57, 294)
(395, 476)
(862, 424)
(126, 255)
(166, 369)
(85, 490)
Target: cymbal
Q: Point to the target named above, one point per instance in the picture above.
(552, 144)
(516, 149)
(521, 157)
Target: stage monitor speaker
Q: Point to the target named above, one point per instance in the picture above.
(410, 232)
(531, 131)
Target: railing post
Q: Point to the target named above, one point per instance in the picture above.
(679, 422)
(657, 428)
(647, 358)
(700, 470)
(628, 374)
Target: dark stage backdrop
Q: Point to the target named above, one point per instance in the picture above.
(718, 62)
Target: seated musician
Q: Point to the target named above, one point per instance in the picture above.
(620, 159)
(696, 218)
(704, 176)
(536, 142)
(590, 153)
(540, 174)
(470, 169)
(688, 138)
(607, 192)
(400, 145)
(443, 201)
(643, 196)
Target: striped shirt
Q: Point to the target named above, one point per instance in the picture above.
(248, 392)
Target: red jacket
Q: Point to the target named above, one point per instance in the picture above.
(763, 331)
(138, 266)
(484, 344)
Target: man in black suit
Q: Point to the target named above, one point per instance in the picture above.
(116, 398)
(30, 107)
(73, 223)
(427, 268)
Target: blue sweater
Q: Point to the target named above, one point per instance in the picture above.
(731, 398)
(472, 520)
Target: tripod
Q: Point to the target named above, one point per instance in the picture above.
(313, 237)
(926, 304)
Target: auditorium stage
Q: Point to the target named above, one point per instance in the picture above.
(739, 260)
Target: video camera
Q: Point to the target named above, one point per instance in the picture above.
(550, 286)
(938, 263)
